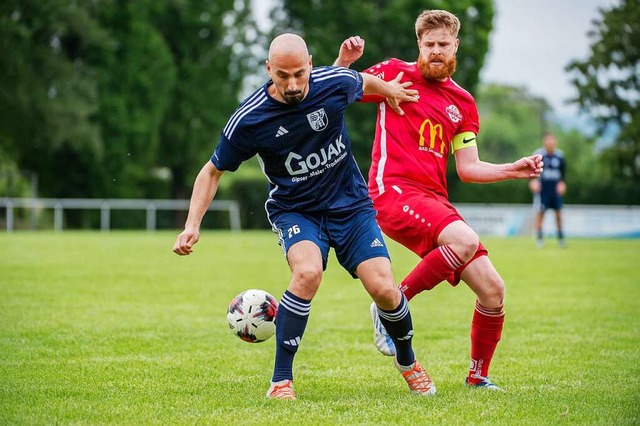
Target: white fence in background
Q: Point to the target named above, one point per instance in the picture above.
(578, 220)
(486, 219)
(106, 205)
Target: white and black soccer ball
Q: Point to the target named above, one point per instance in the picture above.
(252, 315)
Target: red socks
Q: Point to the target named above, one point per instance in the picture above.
(486, 330)
(434, 268)
(487, 324)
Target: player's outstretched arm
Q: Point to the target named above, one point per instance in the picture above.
(472, 170)
(393, 90)
(350, 51)
(204, 189)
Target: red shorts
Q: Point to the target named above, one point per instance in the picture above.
(415, 219)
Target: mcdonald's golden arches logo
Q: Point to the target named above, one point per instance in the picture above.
(434, 135)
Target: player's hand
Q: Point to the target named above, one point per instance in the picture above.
(399, 93)
(350, 51)
(537, 165)
(534, 186)
(185, 241)
(529, 167)
(561, 188)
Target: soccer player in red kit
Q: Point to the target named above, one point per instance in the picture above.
(407, 182)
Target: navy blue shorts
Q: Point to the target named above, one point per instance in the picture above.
(355, 236)
(546, 200)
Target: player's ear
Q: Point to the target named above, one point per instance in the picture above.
(311, 61)
(267, 66)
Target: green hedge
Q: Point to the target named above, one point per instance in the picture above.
(251, 192)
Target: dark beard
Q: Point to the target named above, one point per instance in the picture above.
(436, 74)
(293, 98)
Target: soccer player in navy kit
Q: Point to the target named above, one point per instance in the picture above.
(549, 188)
(317, 196)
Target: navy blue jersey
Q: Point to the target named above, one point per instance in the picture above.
(304, 149)
(553, 171)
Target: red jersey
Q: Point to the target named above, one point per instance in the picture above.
(413, 149)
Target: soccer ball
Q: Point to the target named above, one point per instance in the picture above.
(252, 315)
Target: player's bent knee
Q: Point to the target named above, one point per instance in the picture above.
(387, 297)
(461, 239)
(307, 276)
(493, 294)
(466, 245)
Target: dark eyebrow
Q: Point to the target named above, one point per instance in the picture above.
(282, 73)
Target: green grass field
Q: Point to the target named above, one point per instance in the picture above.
(113, 328)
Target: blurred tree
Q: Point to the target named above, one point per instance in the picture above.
(136, 80)
(210, 43)
(512, 122)
(388, 28)
(102, 98)
(608, 83)
(48, 93)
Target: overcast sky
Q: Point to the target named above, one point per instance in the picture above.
(533, 41)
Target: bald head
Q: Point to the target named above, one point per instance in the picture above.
(287, 46)
(289, 66)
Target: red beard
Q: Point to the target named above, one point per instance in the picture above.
(436, 73)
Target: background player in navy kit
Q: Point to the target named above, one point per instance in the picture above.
(317, 196)
(549, 188)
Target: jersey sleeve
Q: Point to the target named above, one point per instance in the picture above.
(230, 153)
(386, 71)
(351, 81)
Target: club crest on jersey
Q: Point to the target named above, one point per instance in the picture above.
(318, 120)
(454, 114)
